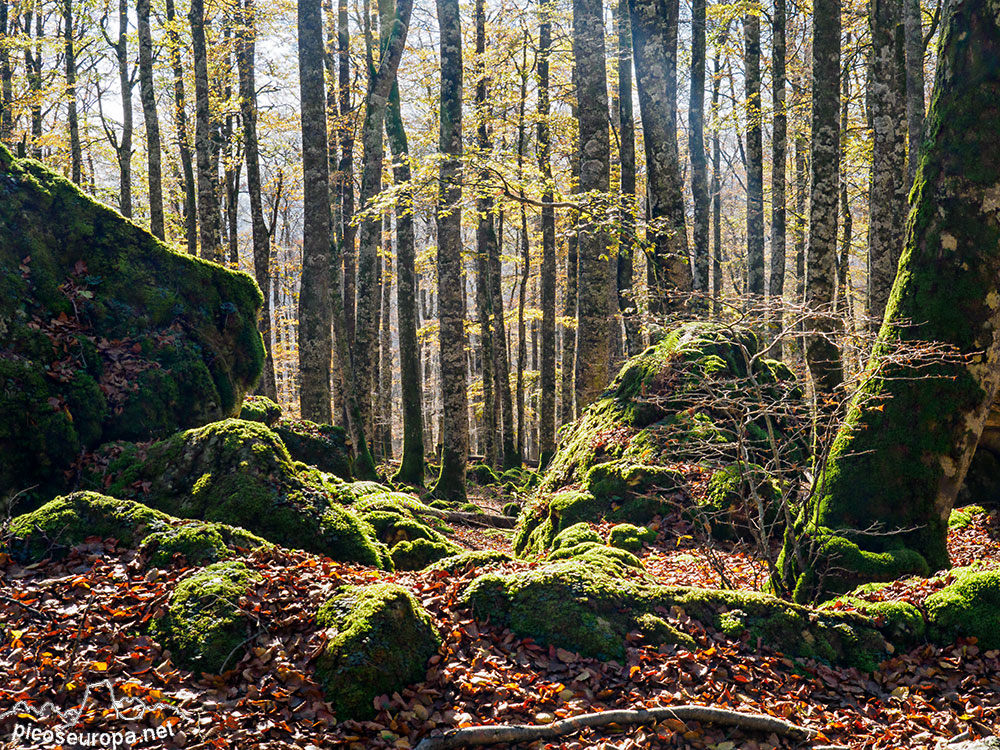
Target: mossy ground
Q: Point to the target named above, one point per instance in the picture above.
(204, 625)
(380, 641)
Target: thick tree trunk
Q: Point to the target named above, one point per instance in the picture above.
(779, 147)
(696, 146)
(822, 350)
(654, 41)
(208, 200)
(152, 120)
(592, 353)
(315, 310)
(455, 422)
(914, 54)
(345, 171)
(180, 124)
(887, 111)
(69, 55)
(567, 408)
(913, 427)
(411, 467)
(755, 157)
(547, 281)
(246, 42)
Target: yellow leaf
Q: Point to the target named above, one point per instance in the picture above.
(101, 666)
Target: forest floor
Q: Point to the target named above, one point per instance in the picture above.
(79, 621)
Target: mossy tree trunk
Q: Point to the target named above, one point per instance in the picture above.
(914, 56)
(451, 312)
(411, 467)
(779, 150)
(755, 155)
(180, 123)
(547, 282)
(699, 165)
(69, 58)
(208, 200)
(151, 119)
(6, 83)
(903, 451)
(345, 170)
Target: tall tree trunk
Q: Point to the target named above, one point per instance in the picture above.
(315, 311)
(485, 236)
(69, 55)
(914, 54)
(654, 42)
(394, 28)
(592, 353)
(501, 358)
(755, 156)
(913, 426)
(148, 95)
(345, 172)
(232, 164)
(522, 342)
(822, 350)
(779, 146)
(246, 43)
(33, 72)
(411, 467)
(717, 182)
(455, 421)
(6, 82)
(567, 411)
(208, 199)
(547, 281)
(125, 85)
(887, 111)
(696, 147)
(180, 124)
(384, 434)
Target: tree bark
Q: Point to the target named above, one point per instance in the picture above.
(75, 150)
(315, 310)
(654, 42)
(180, 123)
(717, 184)
(887, 111)
(822, 350)
(384, 433)
(411, 466)
(33, 72)
(455, 422)
(592, 349)
(208, 199)
(152, 120)
(755, 156)
(522, 340)
(567, 411)
(345, 171)
(6, 82)
(547, 280)
(696, 147)
(125, 84)
(246, 43)
(779, 148)
(913, 427)
(914, 54)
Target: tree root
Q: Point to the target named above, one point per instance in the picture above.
(501, 733)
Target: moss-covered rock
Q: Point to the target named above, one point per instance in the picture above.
(380, 641)
(324, 446)
(483, 475)
(198, 543)
(578, 533)
(240, 473)
(420, 553)
(630, 537)
(105, 332)
(970, 606)
(67, 521)
(901, 622)
(470, 560)
(413, 542)
(204, 626)
(260, 409)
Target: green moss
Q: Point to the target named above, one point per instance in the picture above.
(900, 622)
(197, 543)
(420, 553)
(171, 338)
(469, 560)
(622, 479)
(730, 506)
(67, 521)
(380, 641)
(204, 626)
(629, 537)
(511, 509)
(482, 474)
(260, 409)
(324, 446)
(576, 534)
(968, 607)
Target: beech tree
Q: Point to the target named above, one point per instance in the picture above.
(152, 121)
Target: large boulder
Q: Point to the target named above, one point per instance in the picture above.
(702, 394)
(106, 333)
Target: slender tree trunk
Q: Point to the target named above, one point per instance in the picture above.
(696, 147)
(246, 42)
(779, 146)
(755, 156)
(208, 199)
(345, 173)
(180, 123)
(592, 353)
(455, 422)
(522, 341)
(315, 312)
(125, 84)
(547, 281)
(822, 350)
(6, 82)
(654, 41)
(76, 152)
(384, 434)
(33, 72)
(501, 363)
(914, 53)
(152, 120)
(411, 467)
(717, 183)
(887, 111)
(232, 164)
(913, 427)
(567, 403)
